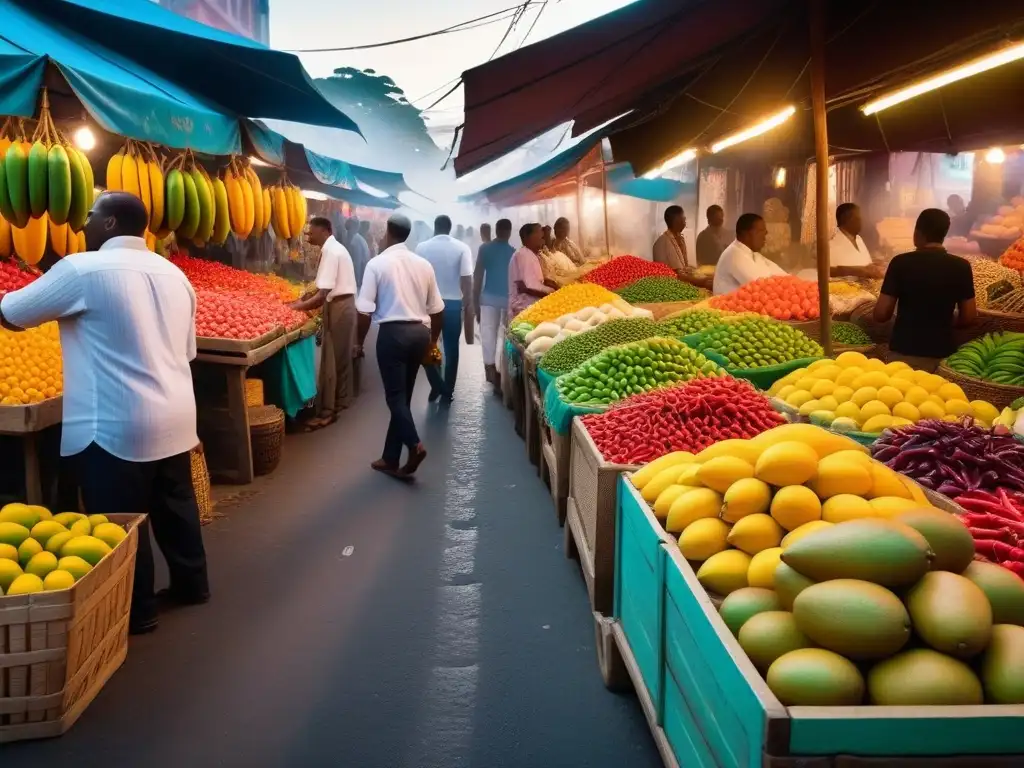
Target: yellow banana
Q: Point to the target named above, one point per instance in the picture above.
(130, 176)
(236, 202)
(150, 241)
(82, 246)
(296, 223)
(281, 218)
(6, 245)
(156, 188)
(250, 208)
(145, 191)
(30, 240)
(257, 201)
(71, 246)
(114, 171)
(268, 209)
(59, 238)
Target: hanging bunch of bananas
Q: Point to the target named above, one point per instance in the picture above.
(288, 210)
(46, 191)
(137, 169)
(244, 202)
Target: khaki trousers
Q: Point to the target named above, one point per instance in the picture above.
(337, 381)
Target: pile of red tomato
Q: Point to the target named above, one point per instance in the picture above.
(783, 297)
(1013, 257)
(623, 270)
(214, 276)
(13, 277)
(687, 417)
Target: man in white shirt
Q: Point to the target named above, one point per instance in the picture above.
(127, 331)
(452, 261)
(400, 294)
(336, 293)
(847, 254)
(741, 263)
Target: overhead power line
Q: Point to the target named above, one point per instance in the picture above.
(481, 21)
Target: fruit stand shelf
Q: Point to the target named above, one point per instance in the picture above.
(715, 709)
(26, 422)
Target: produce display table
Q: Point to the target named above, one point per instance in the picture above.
(515, 355)
(711, 705)
(219, 372)
(533, 411)
(26, 422)
(554, 453)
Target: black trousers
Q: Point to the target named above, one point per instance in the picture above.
(163, 490)
(400, 351)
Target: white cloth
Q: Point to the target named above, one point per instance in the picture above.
(843, 253)
(738, 265)
(336, 272)
(399, 285)
(492, 328)
(451, 260)
(127, 334)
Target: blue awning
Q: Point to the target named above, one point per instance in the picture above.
(243, 77)
(123, 97)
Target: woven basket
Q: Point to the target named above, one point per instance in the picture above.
(201, 484)
(254, 393)
(58, 649)
(811, 328)
(868, 350)
(880, 333)
(266, 431)
(1000, 395)
(993, 321)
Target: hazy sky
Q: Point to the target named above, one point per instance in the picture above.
(423, 66)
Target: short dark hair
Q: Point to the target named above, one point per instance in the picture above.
(352, 225)
(485, 227)
(933, 224)
(561, 220)
(671, 212)
(746, 222)
(843, 212)
(526, 230)
(322, 222)
(716, 208)
(442, 225)
(503, 225)
(399, 227)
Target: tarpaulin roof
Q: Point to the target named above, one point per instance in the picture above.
(244, 77)
(123, 96)
(699, 70)
(550, 178)
(272, 147)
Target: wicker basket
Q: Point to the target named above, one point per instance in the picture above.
(254, 393)
(201, 484)
(880, 333)
(58, 649)
(266, 431)
(993, 321)
(810, 328)
(868, 350)
(1000, 395)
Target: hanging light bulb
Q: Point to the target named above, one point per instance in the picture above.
(995, 156)
(85, 139)
(780, 178)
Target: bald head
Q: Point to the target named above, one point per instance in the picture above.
(115, 214)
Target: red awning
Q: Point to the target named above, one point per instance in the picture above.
(598, 69)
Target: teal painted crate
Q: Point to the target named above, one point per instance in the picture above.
(639, 576)
(717, 711)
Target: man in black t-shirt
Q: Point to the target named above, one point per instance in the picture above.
(924, 287)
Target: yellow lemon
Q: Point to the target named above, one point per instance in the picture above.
(891, 506)
(848, 376)
(874, 365)
(984, 411)
(932, 383)
(755, 533)
(958, 407)
(794, 506)
(896, 366)
(26, 584)
(784, 392)
(827, 371)
(950, 391)
(845, 507)
(58, 580)
(906, 374)
(842, 393)
(848, 410)
(931, 410)
(916, 395)
(874, 408)
(810, 407)
(877, 424)
(798, 398)
(798, 533)
(876, 379)
(903, 385)
(748, 496)
(721, 472)
(822, 387)
(817, 365)
(761, 572)
(920, 377)
(828, 403)
(690, 507)
(850, 359)
(906, 411)
(890, 396)
(806, 382)
(704, 538)
(9, 571)
(725, 572)
(864, 395)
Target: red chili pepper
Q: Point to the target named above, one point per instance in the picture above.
(998, 534)
(982, 520)
(1009, 506)
(1014, 567)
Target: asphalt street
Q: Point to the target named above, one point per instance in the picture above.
(361, 623)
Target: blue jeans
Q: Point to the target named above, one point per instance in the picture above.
(451, 335)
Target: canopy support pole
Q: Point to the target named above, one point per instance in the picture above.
(604, 192)
(579, 209)
(821, 166)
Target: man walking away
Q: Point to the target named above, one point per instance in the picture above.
(485, 234)
(364, 231)
(127, 331)
(358, 247)
(453, 267)
(400, 292)
(490, 297)
(335, 292)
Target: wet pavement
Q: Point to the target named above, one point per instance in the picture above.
(360, 623)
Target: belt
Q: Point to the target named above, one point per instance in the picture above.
(401, 322)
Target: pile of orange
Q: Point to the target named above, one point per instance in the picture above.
(783, 297)
(30, 365)
(1013, 257)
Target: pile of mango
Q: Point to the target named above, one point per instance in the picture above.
(829, 562)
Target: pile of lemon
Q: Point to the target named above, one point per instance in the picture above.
(30, 365)
(857, 393)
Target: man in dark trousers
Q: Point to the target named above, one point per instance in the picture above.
(400, 294)
(127, 328)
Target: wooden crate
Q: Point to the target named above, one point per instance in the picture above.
(590, 515)
(237, 346)
(533, 411)
(58, 649)
(517, 387)
(555, 450)
(714, 708)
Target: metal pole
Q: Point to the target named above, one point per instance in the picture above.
(821, 165)
(604, 189)
(579, 209)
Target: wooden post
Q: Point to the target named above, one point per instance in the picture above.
(579, 209)
(604, 191)
(821, 164)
